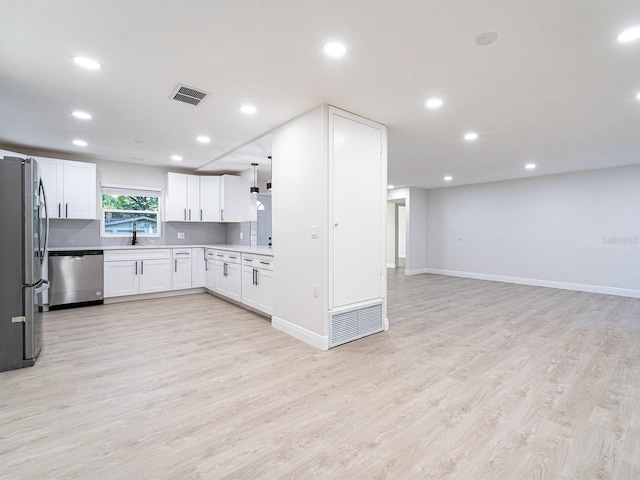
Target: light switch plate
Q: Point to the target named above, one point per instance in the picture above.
(314, 231)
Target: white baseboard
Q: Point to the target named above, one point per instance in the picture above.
(307, 336)
(622, 292)
(416, 271)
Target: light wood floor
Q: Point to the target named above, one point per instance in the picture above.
(474, 380)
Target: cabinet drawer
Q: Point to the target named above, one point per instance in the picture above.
(137, 254)
(232, 257)
(257, 261)
(181, 253)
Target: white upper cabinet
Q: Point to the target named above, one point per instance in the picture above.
(70, 188)
(231, 199)
(210, 199)
(193, 198)
(176, 197)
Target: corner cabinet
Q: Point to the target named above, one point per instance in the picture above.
(70, 188)
(131, 272)
(193, 198)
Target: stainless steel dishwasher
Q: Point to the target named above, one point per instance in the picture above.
(76, 278)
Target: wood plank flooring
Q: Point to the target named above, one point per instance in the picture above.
(474, 380)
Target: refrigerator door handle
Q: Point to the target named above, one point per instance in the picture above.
(46, 224)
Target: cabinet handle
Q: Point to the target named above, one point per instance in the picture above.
(248, 259)
(59, 210)
(264, 263)
(141, 267)
(222, 215)
(257, 278)
(136, 268)
(185, 214)
(206, 265)
(66, 210)
(175, 263)
(224, 269)
(200, 214)
(189, 214)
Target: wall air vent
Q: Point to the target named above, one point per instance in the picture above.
(353, 324)
(189, 95)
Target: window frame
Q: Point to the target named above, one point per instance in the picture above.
(131, 191)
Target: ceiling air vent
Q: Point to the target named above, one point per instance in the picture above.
(185, 94)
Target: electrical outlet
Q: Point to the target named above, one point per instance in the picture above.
(315, 290)
(180, 235)
(241, 235)
(314, 231)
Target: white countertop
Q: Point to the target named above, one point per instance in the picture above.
(233, 248)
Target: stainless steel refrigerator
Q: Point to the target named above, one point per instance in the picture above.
(23, 242)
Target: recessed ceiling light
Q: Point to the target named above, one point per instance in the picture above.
(629, 35)
(176, 158)
(530, 166)
(448, 178)
(335, 49)
(82, 115)
(434, 103)
(390, 187)
(87, 63)
(248, 109)
(203, 139)
(638, 96)
(80, 143)
(471, 136)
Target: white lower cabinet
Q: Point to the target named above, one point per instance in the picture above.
(228, 276)
(210, 270)
(198, 267)
(257, 282)
(130, 272)
(181, 275)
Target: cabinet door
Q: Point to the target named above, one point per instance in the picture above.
(176, 197)
(193, 198)
(358, 235)
(234, 276)
(264, 290)
(121, 278)
(198, 268)
(181, 273)
(210, 274)
(221, 280)
(79, 190)
(210, 199)
(51, 172)
(248, 286)
(155, 275)
(230, 198)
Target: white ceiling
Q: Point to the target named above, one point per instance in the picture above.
(556, 88)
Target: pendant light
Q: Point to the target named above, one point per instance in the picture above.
(255, 190)
(271, 173)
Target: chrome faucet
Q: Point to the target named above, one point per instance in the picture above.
(134, 240)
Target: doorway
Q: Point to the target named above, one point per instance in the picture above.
(264, 220)
(396, 234)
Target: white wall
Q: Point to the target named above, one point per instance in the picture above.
(578, 230)
(299, 173)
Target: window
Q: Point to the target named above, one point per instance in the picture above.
(123, 207)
